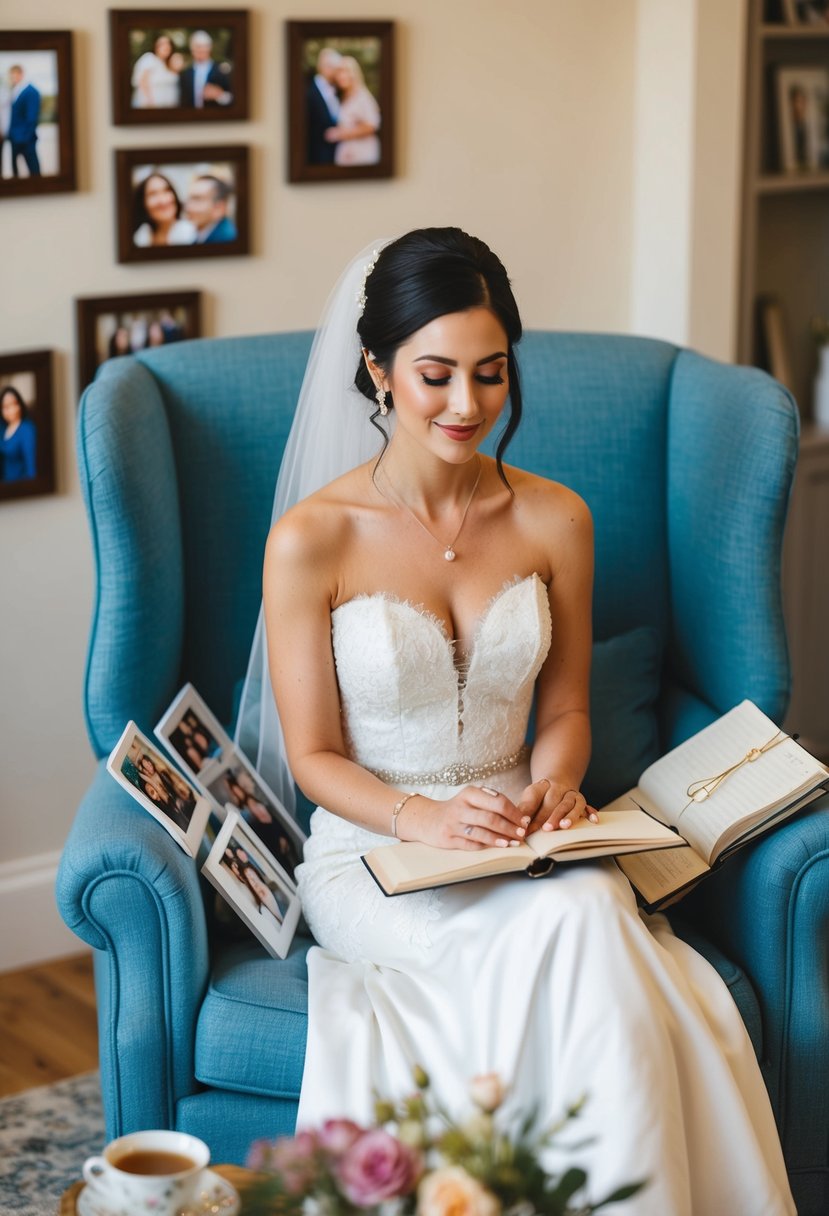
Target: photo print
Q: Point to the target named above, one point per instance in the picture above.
(37, 136)
(111, 326)
(27, 465)
(254, 884)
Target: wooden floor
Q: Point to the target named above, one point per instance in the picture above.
(47, 1024)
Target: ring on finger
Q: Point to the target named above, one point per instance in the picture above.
(467, 831)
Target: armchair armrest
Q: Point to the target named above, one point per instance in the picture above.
(126, 888)
(768, 910)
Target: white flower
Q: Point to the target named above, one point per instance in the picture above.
(487, 1091)
(452, 1192)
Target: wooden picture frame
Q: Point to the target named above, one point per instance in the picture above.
(109, 326)
(41, 115)
(28, 466)
(184, 172)
(814, 13)
(312, 155)
(158, 37)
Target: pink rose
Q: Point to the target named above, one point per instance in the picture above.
(453, 1192)
(259, 1154)
(294, 1158)
(336, 1136)
(378, 1167)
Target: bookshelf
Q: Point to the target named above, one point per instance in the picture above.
(785, 257)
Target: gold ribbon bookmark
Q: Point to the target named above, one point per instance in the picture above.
(699, 791)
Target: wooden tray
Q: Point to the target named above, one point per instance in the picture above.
(236, 1175)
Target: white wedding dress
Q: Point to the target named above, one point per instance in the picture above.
(560, 985)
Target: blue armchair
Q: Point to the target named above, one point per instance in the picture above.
(686, 465)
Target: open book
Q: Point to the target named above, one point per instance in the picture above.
(727, 784)
(411, 866)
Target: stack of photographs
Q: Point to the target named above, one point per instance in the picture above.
(258, 847)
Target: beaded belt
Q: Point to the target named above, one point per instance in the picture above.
(454, 774)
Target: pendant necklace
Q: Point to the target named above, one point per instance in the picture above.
(449, 549)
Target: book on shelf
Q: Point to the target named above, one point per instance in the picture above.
(726, 785)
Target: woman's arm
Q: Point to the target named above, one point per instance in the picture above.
(561, 749)
(300, 587)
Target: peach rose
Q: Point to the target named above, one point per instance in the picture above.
(487, 1091)
(453, 1192)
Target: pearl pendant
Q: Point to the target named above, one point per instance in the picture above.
(449, 555)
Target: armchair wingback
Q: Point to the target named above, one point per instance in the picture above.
(686, 465)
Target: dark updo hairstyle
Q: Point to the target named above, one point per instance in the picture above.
(424, 275)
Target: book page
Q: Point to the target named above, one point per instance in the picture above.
(655, 875)
(753, 789)
(627, 825)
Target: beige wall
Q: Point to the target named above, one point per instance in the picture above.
(516, 121)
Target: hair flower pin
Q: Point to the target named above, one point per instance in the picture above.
(361, 294)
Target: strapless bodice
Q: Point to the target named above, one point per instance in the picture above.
(408, 705)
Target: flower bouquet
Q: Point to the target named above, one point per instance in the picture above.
(416, 1159)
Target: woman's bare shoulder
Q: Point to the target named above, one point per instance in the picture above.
(316, 529)
(551, 500)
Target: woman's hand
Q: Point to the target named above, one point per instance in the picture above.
(547, 804)
(475, 818)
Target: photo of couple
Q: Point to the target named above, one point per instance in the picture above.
(342, 112)
(183, 69)
(29, 145)
(183, 205)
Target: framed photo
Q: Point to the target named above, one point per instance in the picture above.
(803, 118)
(340, 100)
(159, 788)
(37, 113)
(806, 12)
(109, 326)
(167, 68)
(27, 464)
(193, 734)
(254, 884)
(182, 202)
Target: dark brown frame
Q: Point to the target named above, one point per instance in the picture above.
(299, 32)
(127, 158)
(89, 308)
(39, 363)
(59, 41)
(122, 20)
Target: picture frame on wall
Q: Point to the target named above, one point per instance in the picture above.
(112, 326)
(27, 464)
(341, 87)
(803, 113)
(178, 65)
(37, 113)
(182, 202)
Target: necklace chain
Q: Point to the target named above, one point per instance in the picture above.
(449, 549)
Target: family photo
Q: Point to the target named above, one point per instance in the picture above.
(237, 788)
(26, 460)
(194, 204)
(341, 93)
(113, 326)
(159, 787)
(803, 114)
(255, 884)
(168, 69)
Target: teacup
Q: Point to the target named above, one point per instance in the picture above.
(153, 1171)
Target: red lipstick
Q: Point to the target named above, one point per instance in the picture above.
(458, 433)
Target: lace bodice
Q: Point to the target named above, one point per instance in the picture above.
(408, 705)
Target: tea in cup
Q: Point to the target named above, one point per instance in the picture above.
(153, 1171)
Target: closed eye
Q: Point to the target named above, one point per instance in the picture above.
(441, 381)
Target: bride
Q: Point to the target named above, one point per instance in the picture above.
(412, 608)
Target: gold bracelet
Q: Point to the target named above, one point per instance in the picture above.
(398, 807)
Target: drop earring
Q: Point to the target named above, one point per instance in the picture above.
(381, 401)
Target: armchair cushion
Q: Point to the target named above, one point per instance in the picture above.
(624, 689)
(250, 1036)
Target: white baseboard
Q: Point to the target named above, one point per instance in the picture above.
(33, 931)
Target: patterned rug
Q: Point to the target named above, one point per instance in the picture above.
(45, 1136)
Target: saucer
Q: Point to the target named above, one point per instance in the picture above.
(215, 1198)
